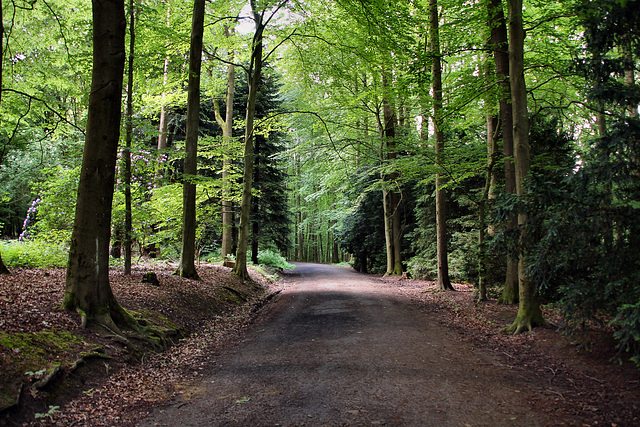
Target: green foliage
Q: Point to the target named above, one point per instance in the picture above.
(273, 259)
(56, 207)
(361, 231)
(35, 253)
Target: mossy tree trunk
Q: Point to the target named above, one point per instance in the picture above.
(529, 312)
(187, 266)
(500, 46)
(87, 283)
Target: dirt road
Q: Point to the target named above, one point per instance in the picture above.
(338, 348)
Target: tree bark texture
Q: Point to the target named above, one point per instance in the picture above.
(529, 312)
(3, 268)
(128, 226)
(163, 126)
(227, 137)
(500, 45)
(492, 130)
(187, 266)
(391, 198)
(441, 204)
(87, 281)
(255, 73)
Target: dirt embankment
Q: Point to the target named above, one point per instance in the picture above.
(48, 362)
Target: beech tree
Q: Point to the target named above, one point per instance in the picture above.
(187, 266)
(529, 312)
(226, 124)
(499, 44)
(87, 286)
(254, 74)
(128, 141)
(441, 202)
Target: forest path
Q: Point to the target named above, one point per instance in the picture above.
(340, 348)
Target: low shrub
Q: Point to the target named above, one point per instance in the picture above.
(34, 254)
(273, 259)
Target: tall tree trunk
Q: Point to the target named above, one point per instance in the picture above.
(255, 204)
(388, 231)
(492, 131)
(500, 46)
(529, 312)
(3, 268)
(87, 283)
(255, 73)
(128, 227)
(441, 204)
(163, 126)
(187, 266)
(255, 230)
(227, 137)
(391, 197)
(335, 252)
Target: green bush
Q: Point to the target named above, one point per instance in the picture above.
(273, 259)
(34, 254)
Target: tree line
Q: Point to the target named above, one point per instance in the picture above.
(491, 141)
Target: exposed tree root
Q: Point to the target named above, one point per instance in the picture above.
(526, 324)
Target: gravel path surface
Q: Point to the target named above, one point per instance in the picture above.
(339, 348)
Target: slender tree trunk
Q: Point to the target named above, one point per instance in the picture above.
(187, 266)
(500, 46)
(255, 230)
(529, 312)
(390, 196)
(87, 282)
(255, 203)
(3, 268)
(299, 234)
(128, 226)
(388, 239)
(441, 204)
(629, 76)
(227, 138)
(492, 130)
(163, 126)
(335, 253)
(255, 73)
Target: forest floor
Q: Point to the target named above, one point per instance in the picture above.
(569, 378)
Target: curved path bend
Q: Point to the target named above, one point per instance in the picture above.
(339, 348)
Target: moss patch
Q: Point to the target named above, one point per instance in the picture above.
(28, 356)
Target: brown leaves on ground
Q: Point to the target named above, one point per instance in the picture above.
(103, 378)
(580, 368)
(119, 384)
